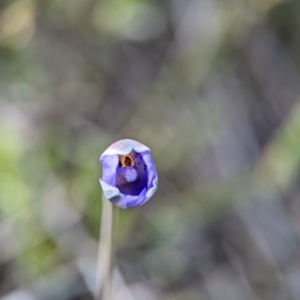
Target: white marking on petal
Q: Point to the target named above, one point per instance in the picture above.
(130, 174)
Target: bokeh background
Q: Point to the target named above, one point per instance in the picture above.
(211, 86)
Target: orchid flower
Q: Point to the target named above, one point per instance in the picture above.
(129, 176)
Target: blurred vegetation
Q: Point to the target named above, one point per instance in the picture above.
(212, 87)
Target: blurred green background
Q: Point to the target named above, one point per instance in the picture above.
(211, 86)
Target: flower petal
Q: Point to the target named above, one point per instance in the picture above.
(109, 168)
(152, 173)
(109, 190)
(132, 201)
(124, 147)
(113, 194)
(152, 190)
(122, 200)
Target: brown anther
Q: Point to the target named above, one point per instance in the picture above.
(127, 160)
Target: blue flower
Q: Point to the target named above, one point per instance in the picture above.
(129, 176)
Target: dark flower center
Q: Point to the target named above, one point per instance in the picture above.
(131, 174)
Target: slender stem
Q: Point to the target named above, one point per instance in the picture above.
(105, 252)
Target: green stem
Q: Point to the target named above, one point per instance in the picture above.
(105, 252)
